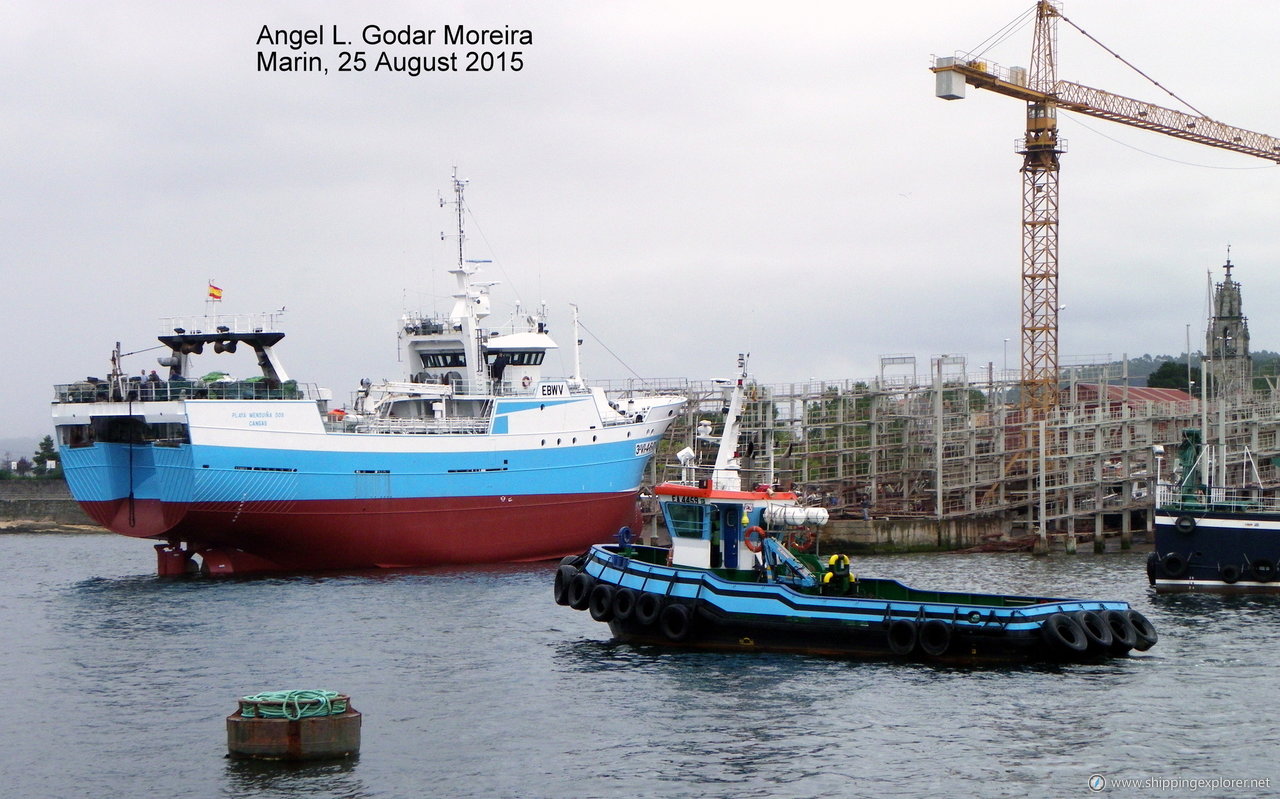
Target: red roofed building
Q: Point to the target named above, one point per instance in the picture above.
(1129, 396)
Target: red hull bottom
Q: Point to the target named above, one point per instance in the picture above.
(236, 538)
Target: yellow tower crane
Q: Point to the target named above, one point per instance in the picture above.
(1044, 94)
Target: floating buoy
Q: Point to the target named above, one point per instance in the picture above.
(294, 725)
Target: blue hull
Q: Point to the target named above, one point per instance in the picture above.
(193, 473)
(257, 509)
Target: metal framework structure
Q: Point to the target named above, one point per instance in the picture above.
(946, 445)
(1040, 149)
(1044, 94)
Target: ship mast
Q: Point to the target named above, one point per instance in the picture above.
(576, 379)
(458, 187)
(470, 299)
(725, 475)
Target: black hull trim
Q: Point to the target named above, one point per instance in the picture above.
(870, 642)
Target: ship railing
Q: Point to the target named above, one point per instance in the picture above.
(135, 389)
(265, 322)
(411, 426)
(750, 479)
(511, 388)
(1172, 498)
(649, 387)
(617, 421)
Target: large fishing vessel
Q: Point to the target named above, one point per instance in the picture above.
(473, 456)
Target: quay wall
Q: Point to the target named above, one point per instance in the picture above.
(911, 535)
(42, 501)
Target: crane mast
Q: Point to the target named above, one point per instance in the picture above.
(1040, 148)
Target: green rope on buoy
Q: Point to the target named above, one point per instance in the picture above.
(292, 705)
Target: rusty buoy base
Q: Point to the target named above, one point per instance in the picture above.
(311, 738)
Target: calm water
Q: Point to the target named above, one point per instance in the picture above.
(474, 683)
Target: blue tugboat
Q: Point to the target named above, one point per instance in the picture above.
(740, 575)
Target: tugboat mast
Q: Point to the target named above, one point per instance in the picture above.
(725, 475)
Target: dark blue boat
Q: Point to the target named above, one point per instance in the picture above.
(740, 575)
(1215, 538)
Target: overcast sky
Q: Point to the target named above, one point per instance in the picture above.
(699, 177)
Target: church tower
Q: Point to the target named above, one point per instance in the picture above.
(1228, 364)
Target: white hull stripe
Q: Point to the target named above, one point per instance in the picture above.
(1215, 583)
(1223, 524)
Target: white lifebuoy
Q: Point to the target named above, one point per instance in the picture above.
(526, 381)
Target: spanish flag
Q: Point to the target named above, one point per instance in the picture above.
(215, 293)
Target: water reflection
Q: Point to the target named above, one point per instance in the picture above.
(335, 778)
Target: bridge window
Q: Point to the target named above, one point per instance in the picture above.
(686, 521)
(443, 360)
(530, 358)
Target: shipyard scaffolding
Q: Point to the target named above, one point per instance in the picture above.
(939, 446)
(954, 456)
(947, 445)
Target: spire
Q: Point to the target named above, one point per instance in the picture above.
(1227, 338)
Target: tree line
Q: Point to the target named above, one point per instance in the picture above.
(1165, 371)
(43, 463)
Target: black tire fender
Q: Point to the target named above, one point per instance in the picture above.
(1064, 634)
(676, 621)
(1153, 567)
(624, 603)
(580, 590)
(935, 637)
(1174, 565)
(564, 576)
(902, 636)
(601, 602)
(1097, 632)
(1123, 636)
(1262, 569)
(648, 608)
(1145, 630)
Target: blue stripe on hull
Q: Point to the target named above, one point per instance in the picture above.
(195, 473)
(694, 607)
(759, 600)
